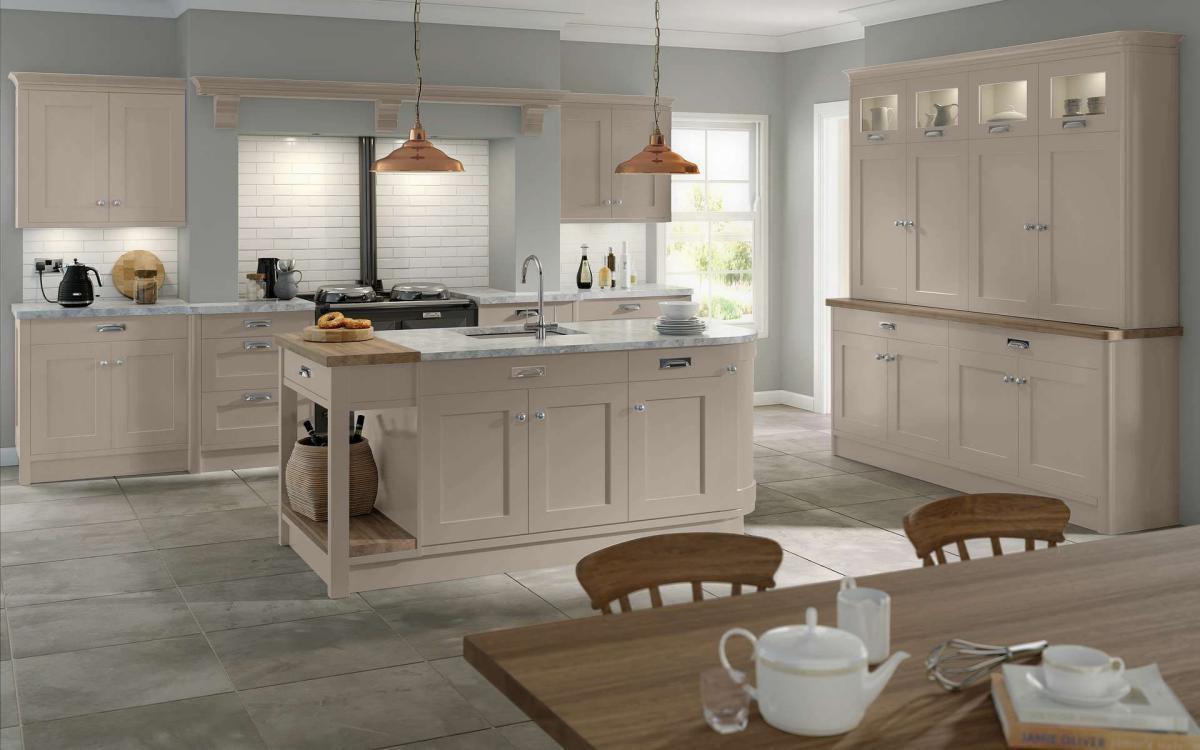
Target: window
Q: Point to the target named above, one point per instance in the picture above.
(716, 242)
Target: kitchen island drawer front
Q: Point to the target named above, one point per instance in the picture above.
(1048, 347)
(495, 315)
(240, 363)
(306, 374)
(253, 324)
(89, 330)
(692, 362)
(513, 373)
(904, 327)
(237, 418)
(621, 309)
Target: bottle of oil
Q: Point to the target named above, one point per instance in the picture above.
(611, 262)
(583, 277)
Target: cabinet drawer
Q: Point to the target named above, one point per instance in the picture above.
(252, 324)
(905, 327)
(692, 362)
(248, 417)
(306, 373)
(510, 373)
(134, 328)
(1046, 347)
(251, 362)
(494, 315)
(618, 309)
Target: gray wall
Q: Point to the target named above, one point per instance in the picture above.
(1023, 21)
(714, 81)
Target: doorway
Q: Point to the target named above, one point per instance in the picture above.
(831, 238)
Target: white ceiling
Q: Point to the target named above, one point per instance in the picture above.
(762, 25)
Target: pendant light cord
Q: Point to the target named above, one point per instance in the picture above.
(657, 44)
(417, 54)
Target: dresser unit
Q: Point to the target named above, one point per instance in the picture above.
(1014, 221)
(99, 151)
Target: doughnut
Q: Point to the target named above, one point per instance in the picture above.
(331, 320)
(356, 323)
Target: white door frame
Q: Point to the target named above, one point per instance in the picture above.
(831, 253)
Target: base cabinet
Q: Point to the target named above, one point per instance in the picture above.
(1061, 428)
(150, 393)
(860, 390)
(983, 411)
(916, 396)
(69, 389)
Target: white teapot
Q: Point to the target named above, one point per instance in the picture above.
(812, 680)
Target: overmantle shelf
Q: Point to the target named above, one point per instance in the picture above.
(227, 94)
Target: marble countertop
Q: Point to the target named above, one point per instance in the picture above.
(588, 336)
(105, 307)
(484, 295)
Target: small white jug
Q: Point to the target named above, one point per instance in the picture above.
(868, 614)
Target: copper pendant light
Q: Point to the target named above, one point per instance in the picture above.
(417, 154)
(657, 157)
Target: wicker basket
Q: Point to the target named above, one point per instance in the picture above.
(307, 479)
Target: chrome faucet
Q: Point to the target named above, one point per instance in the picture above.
(541, 326)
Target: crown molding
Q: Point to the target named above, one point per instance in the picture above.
(102, 83)
(843, 32)
(887, 11)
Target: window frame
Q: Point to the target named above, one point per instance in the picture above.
(759, 214)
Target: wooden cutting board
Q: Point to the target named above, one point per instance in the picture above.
(337, 335)
(122, 272)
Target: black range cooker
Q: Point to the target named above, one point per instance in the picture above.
(404, 307)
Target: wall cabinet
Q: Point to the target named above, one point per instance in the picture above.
(598, 133)
(1045, 197)
(99, 151)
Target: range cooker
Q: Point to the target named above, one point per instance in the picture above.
(404, 307)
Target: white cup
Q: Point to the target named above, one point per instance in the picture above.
(868, 614)
(1082, 671)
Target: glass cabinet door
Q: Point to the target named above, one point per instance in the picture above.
(1081, 96)
(1003, 102)
(936, 113)
(877, 113)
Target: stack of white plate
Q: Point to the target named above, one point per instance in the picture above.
(683, 327)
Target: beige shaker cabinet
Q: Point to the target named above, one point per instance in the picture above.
(68, 398)
(586, 155)
(1003, 236)
(1003, 102)
(860, 384)
(149, 393)
(916, 396)
(1095, 83)
(98, 151)
(935, 113)
(983, 411)
(578, 462)
(878, 222)
(1060, 427)
(937, 234)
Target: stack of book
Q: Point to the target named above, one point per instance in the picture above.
(1150, 717)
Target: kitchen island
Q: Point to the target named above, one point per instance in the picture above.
(497, 451)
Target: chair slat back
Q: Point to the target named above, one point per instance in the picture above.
(993, 516)
(615, 572)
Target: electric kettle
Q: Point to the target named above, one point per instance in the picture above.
(76, 290)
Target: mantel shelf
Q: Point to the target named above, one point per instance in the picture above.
(228, 92)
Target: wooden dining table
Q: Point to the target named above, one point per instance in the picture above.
(631, 680)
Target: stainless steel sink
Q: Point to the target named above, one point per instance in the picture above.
(512, 332)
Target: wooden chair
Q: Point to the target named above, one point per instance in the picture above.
(615, 572)
(986, 516)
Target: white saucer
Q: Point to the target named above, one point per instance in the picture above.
(1082, 701)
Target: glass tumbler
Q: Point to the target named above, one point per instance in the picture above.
(726, 702)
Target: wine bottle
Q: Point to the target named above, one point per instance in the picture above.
(358, 428)
(611, 262)
(602, 276)
(312, 432)
(583, 277)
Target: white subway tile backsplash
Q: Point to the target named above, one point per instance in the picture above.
(598, 238)
(99, 248)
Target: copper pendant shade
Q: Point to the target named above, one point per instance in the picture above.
(657, 157)
(417, 154)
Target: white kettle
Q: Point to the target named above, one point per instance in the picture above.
(812, 680)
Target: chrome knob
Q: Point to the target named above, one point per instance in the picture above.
(104, 363)
(1030, 227)
(116, 202)
(880, 357)
(1043, 227)
(101, 203)
(899, 222)
(522, 417)
(639, 408)
(889, 358)
(540, 416)
(1020, 381)
(731, 369)
(909, 223)
(620, 202)
(119, 362)
(1006, 379)
(304, 372)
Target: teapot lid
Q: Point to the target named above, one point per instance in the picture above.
(812, 647)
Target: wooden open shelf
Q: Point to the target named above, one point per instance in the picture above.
(371, 534)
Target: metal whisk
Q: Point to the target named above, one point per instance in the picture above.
(956, 664)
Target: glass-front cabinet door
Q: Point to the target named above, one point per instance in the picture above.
(936, 114)
(1082, 95)
(1003, 102)
(878, 113)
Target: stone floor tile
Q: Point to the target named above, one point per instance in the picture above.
(8, 696)
(214, 722)
(5, 646)
(481, 694)
(793, 571)
(100, 621)
(761, 452)
(226, 561)
(528, 736)
(769, 502)
(11, 739)
(842, 489)
(40, 583)
(826, 458)
(839, 543)
(71, 542)
(105, 679)
(70, 512)
(802, 441)
(886, 514)
(258, 601)
(211, 528)
(308, 649)
(561, 588)
(371, 709)
(1078, 534)
(488, 739)
(491, 584)
(267, 490)
(781, 468)
(8, 473)
(435, 627)
(156, 484)
(48, 491)
(909, 484)
(224, 496)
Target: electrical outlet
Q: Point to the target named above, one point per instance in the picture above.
(48, 265)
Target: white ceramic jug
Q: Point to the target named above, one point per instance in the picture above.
(868, 614)
(812, 680)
